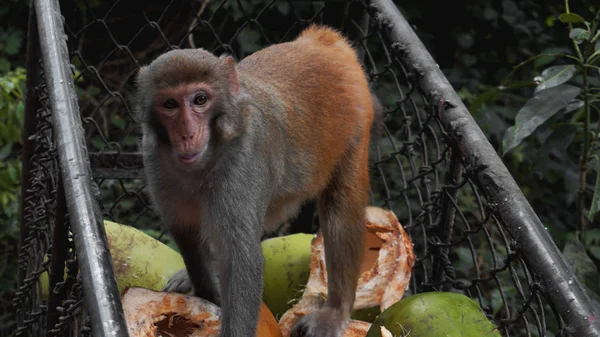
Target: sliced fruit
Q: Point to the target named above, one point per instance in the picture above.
(386, 270)
(151, 313)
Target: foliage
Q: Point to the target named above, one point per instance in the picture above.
(563, 100)
(476, 45)
(11, 121)
(556, 130)
(12, 80)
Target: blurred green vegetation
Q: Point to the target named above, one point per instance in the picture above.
(508, 60)
(529, 73)
(12, 90)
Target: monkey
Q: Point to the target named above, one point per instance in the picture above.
(231, 149)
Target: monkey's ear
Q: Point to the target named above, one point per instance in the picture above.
(232, 76)
(141, 73)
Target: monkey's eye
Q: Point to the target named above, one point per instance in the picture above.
(170, 104)
(200, 99)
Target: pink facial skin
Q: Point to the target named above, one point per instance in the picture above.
(185, 112)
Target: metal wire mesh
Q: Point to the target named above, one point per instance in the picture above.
(49, 300)
(460, 244)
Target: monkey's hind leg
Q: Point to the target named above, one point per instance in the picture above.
(341, 210)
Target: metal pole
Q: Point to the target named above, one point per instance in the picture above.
(532, 240)
(96, 269)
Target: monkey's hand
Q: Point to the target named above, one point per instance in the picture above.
(179, 283)
(326, 322)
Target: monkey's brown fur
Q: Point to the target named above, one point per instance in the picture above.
(288, 124)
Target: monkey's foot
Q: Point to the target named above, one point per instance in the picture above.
(179, 283)
(326, 322)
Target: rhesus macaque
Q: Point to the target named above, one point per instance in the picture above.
(230, 149)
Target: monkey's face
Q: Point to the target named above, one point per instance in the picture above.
(185, 103)
(185, 111)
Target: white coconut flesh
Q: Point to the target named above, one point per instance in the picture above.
(386, 269)
(150, 313)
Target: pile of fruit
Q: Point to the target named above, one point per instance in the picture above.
(295, 284)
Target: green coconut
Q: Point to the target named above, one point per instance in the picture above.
(435, 314)
(139, 260)
(286, 270)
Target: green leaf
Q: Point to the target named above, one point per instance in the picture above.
(557, 142)
(5, 151)
(571, 18)
(118, 122)
(573, 105)
(4, 65)
(592, 237)
(546, 57)
(4, 199)
(6, 85)
(540, 105)
(579, 35)
(13, 172)
(129, 141)
(98, 143)
(497, 302)
(536, 112)
(554, 76)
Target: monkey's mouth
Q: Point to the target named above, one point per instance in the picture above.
(189, 159)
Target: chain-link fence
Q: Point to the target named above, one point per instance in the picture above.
(473, 230)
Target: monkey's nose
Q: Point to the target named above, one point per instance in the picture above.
(187, 137)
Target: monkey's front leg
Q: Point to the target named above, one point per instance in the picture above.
(198, 273)
(237, 236)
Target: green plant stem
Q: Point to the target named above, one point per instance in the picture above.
(531, 59)
(585, 157)
(579, 55)
(589, 50)
(587, 147)
(591, 55)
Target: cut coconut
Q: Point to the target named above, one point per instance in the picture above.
(357, 329)
(386, 270)
(151, 313)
